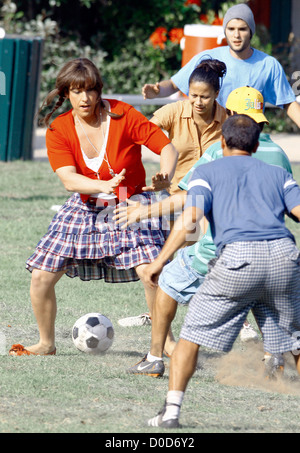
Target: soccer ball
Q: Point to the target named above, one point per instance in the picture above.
(93, 333)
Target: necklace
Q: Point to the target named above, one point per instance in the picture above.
(105, 158)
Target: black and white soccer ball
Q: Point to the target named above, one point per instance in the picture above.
(93, 333)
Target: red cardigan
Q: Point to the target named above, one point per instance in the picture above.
(126, 135)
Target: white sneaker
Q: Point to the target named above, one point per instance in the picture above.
(136, 321)
(248, 334)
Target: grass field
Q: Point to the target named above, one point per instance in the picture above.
(76, 393)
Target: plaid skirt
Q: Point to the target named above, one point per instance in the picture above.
(84, 241)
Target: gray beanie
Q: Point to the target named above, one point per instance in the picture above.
(241, 11)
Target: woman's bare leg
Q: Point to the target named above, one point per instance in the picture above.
(43, 302)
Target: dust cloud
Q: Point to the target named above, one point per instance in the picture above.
(246, 368)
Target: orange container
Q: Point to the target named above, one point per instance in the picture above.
(198, 37)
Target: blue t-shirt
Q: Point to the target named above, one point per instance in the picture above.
(244, 199)
(269, 152)
(260, 71)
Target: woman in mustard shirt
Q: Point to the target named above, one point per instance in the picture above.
(195, 123)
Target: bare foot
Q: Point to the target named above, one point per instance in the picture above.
(38, 349)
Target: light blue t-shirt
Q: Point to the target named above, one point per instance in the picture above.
(260, 71)
(244, 199)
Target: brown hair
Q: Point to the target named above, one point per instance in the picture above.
(78, 73)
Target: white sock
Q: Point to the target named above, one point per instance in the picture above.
(174, 401)
(152, 358)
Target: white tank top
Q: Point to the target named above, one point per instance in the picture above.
(95, 162)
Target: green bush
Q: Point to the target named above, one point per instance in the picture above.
(115, 37)
(131, 45)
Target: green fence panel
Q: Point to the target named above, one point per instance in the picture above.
(20, 61)
(7, 54)
(281, 11)
(15, 134)
(32, 95)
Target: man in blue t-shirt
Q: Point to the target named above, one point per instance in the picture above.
(245, 66)
(258, 263)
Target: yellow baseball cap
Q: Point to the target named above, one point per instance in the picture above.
(247, 101)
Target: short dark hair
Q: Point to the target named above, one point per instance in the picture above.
(231, 112)
(241, 132)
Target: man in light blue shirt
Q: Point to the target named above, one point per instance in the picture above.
(245, 66)
(261, 71)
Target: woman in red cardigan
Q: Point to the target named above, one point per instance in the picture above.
(95, 150)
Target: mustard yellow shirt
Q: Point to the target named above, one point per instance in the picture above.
(176, 118)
